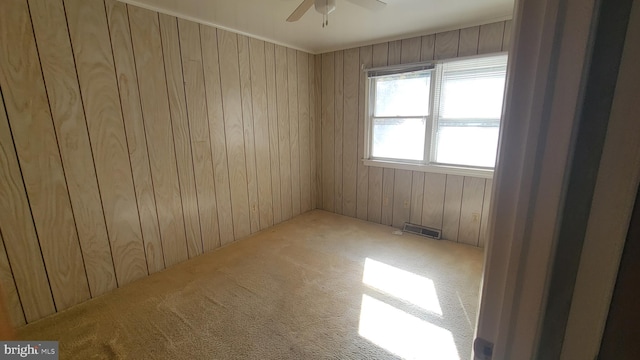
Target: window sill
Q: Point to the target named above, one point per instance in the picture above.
(438, 169)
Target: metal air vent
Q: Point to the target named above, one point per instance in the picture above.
(422, 230)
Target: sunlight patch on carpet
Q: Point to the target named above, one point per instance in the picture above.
(403, 334)
(402, 284)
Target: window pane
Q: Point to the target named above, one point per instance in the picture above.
(476, 95)
(467, 145)
(403, 95)
(399, 138)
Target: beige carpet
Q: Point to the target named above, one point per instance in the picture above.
(320, 286)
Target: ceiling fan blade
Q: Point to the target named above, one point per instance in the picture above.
(300, 10)
(369, 4)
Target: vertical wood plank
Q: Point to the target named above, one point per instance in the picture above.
(427, 50)
(294, 124)
(9, 291)
(380, 55)
(401, 197)
(231, 100)
(417, 197)
(314, 145)
(29, 117)
(446, 45)
(134, 127)
(213, 93)
(350, 132)
(374, 211)
(249, 140)
(388, 176)
(304, 130)
(328, 145)
(395, 52)
(506, 37)
(317, 76)
(274, 134)
(362, 185)
(486, 205)
(471, 210)
(17, 226)
(192, 68)
(490, 39)
(282, 99)
(411, 49)
(59, 70)
(452, 204)
(338, 127)
(261, 128)
(181, 132)
(468, 44)
(96, 73)
(433, 204)
(147, 49)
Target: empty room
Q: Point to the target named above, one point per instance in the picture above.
(313, 179)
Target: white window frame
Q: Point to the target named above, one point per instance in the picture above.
(428, 164)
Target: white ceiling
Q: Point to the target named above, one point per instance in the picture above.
(349, 25)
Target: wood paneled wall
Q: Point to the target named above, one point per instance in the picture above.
(458, 205)
(131, 141)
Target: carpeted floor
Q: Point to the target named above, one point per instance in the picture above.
(320, 286)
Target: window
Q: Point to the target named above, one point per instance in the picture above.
(446, 114)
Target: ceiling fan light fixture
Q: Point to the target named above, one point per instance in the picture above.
(325, 7)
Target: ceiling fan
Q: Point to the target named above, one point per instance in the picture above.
(325, 7)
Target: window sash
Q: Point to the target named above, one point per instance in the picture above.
(374, 87)
(465, 146)
(428, 123)
(450, 77)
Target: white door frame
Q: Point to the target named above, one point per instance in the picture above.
(613, 201)
(551, 40)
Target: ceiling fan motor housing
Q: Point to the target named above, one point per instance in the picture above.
(325, 7)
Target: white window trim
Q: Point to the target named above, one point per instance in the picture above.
(429, 166)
